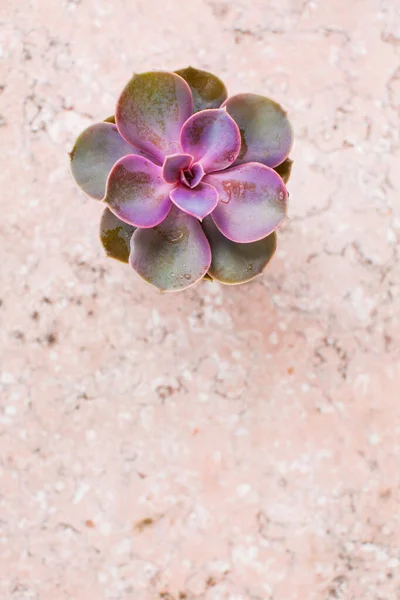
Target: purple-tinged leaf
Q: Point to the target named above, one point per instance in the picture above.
(212, 138)
(284, 169)
(234, 263)
(208, 91)
(95, 152)
(198, 201)
(252, 201)
(115, 236)
(137, 193)
(267, 135)
(193, 176)
(172, 256)
(173, 164)
(151, 111)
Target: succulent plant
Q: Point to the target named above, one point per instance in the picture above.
(193, 181)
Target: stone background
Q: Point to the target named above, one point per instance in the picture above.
(225, 443)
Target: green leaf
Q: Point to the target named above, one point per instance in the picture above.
(234, 263)
(172, 256)
(208, 90)
(95, 152)
(267, 135)
(115, 235)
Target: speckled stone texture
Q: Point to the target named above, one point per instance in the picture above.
(224, 443)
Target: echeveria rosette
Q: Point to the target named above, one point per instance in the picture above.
(194, 181)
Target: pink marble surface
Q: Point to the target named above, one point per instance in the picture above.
(226, 443)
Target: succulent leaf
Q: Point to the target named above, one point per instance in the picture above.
(137, 193)
(151, 111)
(115, 236)
(198, 201)
(95, 152)
(212, 138)
(252, 201)
(234, 263)
(208, 91)
(172, 256)
(173, 165)
(267, 135)
(193, 176)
